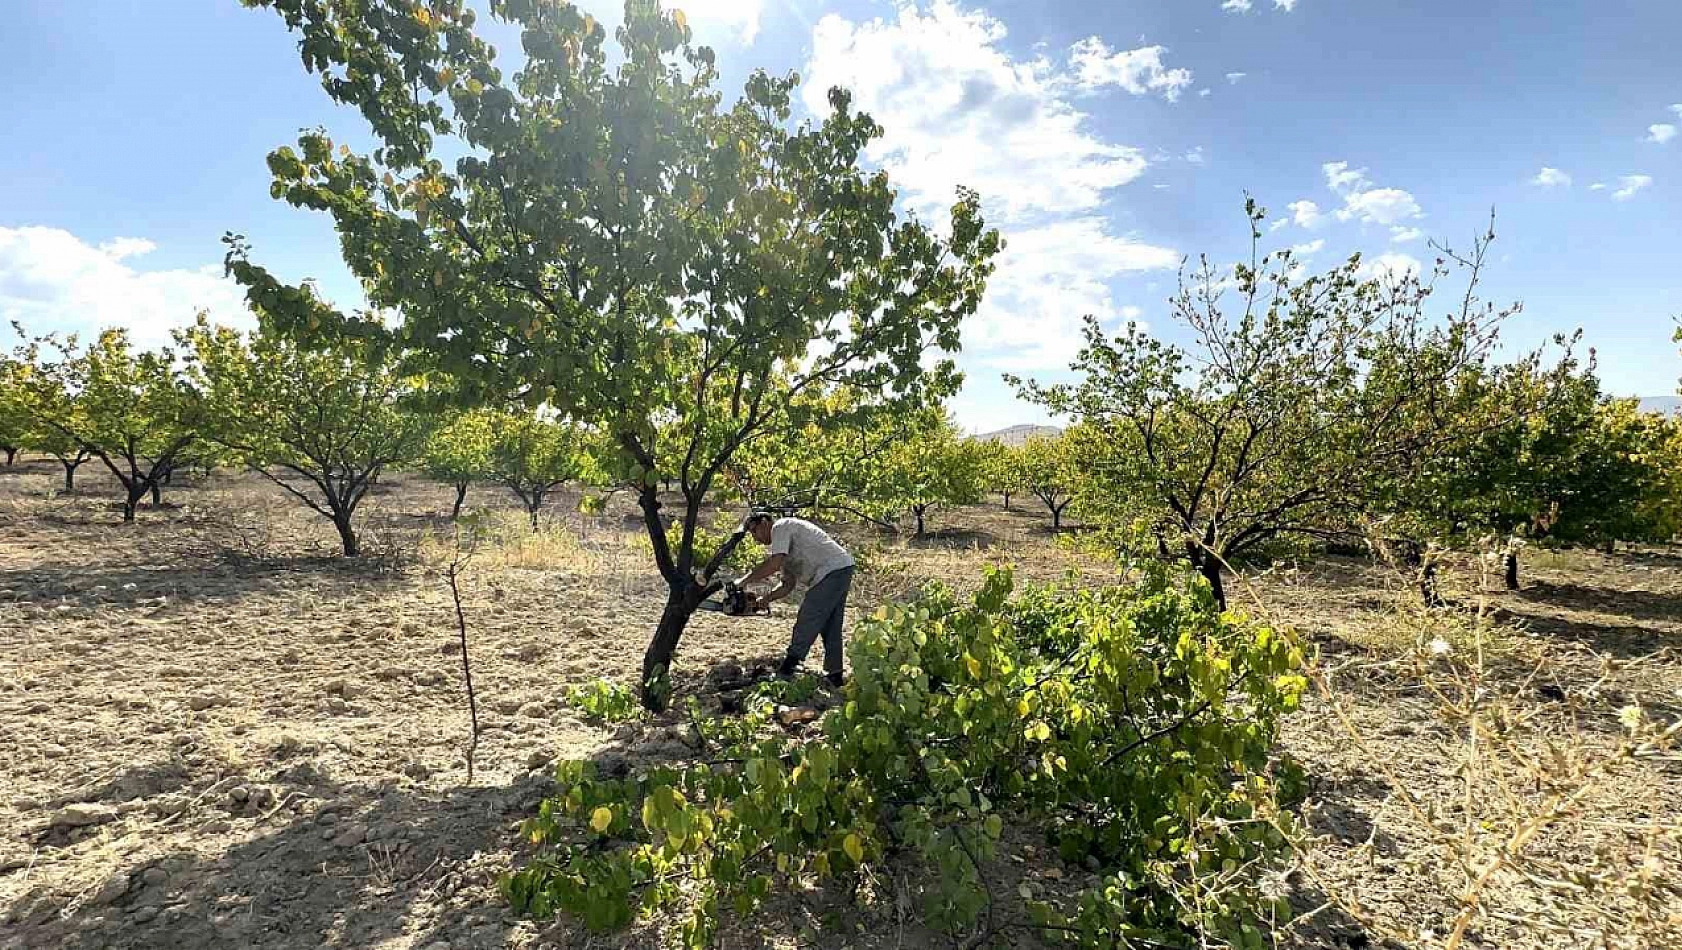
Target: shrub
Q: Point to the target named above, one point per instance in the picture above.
(1134, 725)
(602, 701)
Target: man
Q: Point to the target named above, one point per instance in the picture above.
(805, 555)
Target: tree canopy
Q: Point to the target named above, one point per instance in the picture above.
(1301, 405)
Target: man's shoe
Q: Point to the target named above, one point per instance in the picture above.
(788, 669)
(836, 679)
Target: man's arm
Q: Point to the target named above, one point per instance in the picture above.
(766, 568)
(786, 589)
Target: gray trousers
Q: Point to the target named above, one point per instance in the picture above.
(822, 612)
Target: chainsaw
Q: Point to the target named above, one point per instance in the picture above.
(734, 601)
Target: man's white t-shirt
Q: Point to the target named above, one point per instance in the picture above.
(809, 553)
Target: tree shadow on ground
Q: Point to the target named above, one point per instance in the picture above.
(1320, 924)
(1634, 604)
(226, 575)
(1671, 559)
(393, 862)
(143, 780)
(968, 538)
(1624, 641)
(1344, 811)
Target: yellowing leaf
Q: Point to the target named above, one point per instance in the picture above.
(854, 848)
(973, 665)
(680, 19)
(600, 819)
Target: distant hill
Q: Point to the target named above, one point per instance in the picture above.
(1018, 435)
(1666, 405)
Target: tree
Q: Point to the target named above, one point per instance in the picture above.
(458, 453)
(613, 242)
(29, 397)
(533, 456)
(1304, 410)
(932, 467)
(15, 420)
(1047, 466)
(1001, 467)
(330, 417)
(131, 410)
(1581, 469)
(70, 454)
(894, 461)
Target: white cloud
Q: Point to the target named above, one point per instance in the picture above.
(1340, 178)
(52, 280)
(1631, 184)
(1234, 77)
(119, 248)
(712, 21)
(1598, 186)
(1236, 6)
(1306, 214)
(1661, 133)
(1389, 267)
(1384, 206)
(1286, 5)
(1365, 203)
(1404, 235)
(1195, 156)
(1139, 71)
(1203, 93)
(957, 108)
(1307, 250)
(1048, 279)
(1551, 178)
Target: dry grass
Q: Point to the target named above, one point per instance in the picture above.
(210, 683)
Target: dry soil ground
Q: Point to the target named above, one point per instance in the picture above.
(217, 734)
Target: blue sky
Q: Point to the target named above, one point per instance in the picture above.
(1107, 140)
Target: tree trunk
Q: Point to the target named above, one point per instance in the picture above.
(1609, 546)
(657, 661)
(1428, 590)
(461, 496)
(11, 454)
(347, 536)
(157, 494)
(1210, 567)
(1512, 570)
(1057, 518)
(531, 510)
(919, 513)
(1007, 500)
(70, 475)
(131, 500)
